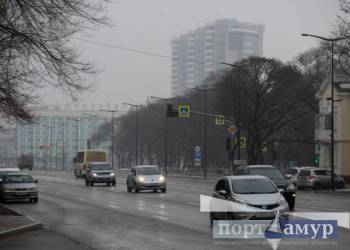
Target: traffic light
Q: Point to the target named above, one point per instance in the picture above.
(170, 112)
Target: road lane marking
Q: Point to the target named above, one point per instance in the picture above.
(113, 206)
(193, 204)
(81, 198)
(160, 217)
(58, 193)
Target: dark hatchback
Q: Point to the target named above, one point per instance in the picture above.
(282, 182)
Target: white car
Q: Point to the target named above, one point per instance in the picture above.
(254, 197)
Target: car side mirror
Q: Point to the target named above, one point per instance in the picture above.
(36, 181)
(222, 192)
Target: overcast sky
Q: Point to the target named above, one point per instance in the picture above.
(150, 24)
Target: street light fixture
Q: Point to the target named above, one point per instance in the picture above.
(136, 127)
(165, 133)
(332, 41)
(112, 111)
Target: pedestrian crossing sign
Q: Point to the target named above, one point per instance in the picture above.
(184, 111)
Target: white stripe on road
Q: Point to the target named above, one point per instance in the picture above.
(81, 198)
(113, 206)
(160, 217)
(58, 193)
(193, 204)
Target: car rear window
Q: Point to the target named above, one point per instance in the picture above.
(322, 172)
(291, 171)
(304, 173)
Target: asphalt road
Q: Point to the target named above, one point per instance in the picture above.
(100, 217)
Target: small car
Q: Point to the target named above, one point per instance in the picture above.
(100, 172)
(146, 177)
(255, 197)
(288, 189)
(316, 178)
(18, 186)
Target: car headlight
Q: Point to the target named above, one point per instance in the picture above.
(161, 178)
(140, 179)
(33, 189)
(94, 174)
(290, 187)
(9, 189)
(282, 201)
(112, 174)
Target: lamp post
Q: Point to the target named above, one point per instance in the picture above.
(112, 132)
(332, 41)
(136, 128)
(93, 116)
(239, 111)
(205, 90)
(165, 134)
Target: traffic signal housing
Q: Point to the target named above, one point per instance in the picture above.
(170, 112)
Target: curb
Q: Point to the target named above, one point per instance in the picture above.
(33, 226)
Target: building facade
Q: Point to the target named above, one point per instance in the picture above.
(58, 132)
(198, 53)
(341, 127)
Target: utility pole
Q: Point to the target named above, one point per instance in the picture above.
(112, 133)
(136, 130)
(165, 100)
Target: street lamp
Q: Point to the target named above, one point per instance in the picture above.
(165, 133)
(136, 127)
(205, 90)
(93, 116)
(239, 111)
(112, 111)
(332, 41)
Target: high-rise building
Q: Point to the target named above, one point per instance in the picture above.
(58, 132)
(199, 52)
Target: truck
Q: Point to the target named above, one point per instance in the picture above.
(25, 162)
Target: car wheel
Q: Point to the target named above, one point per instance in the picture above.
(163, 190)
(291, 205)
(36, 200)
(129, 189)
(316, 186)
(155, 190)
(86, 182)
(114, 183)
(91, 183)
(137, 190)
(108, 183)
(340, 185)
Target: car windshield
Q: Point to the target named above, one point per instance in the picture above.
(253, 186)
(291, 171)
(100, 167)
(272, 173)
(148, 171)
(19, 179)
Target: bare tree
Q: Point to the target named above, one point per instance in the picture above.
(35, 49)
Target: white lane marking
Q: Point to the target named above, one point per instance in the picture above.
(193, 204)
(160, 217)
(81, 198)
(113, 206)
(162, 206)
(58, 193)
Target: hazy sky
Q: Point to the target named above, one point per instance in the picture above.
(150, 24)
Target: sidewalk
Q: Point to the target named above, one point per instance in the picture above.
(12, 222)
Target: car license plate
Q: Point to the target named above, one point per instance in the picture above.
(264, 214)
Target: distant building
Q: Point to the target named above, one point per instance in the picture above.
(341, 127)
(58, 131)
(201, 51)
(8, 146)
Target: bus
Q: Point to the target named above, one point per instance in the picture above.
(82, 158)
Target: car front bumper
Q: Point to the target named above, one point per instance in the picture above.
(20, 195)
(150, 186)
(103, 179)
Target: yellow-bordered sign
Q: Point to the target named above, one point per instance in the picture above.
(184, 111)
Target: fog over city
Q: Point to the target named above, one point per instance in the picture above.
(150, 25)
